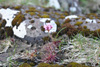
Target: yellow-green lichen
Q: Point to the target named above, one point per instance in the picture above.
(85, 27)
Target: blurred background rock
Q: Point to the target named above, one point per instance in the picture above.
(73, 6)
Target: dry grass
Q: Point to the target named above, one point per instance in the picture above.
(83, 50)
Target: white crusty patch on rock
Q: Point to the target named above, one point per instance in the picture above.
(8, 15)
(21, 30)
(91, 20)
(71, 16)
(29, 26)
(52, 22)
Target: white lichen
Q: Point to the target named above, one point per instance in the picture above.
(21, 30)
(8, 15)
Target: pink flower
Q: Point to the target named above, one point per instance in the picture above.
(48, 27)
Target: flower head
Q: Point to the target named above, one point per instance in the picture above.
(48, 26)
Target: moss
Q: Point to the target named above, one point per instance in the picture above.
(17, 7)
(46, 9)
(78, 23)
(31, 9)
(83, 18)
(0, 25)
(62, 17)
(32, 21)
(49, 65)
(98, 22)
(8, 31)
(54, 34)
(25, 65)
(32, 13)
(44, 65)
(2, 35)
(66, 14)
(15, 20)
(56, 13)
(97, 33)
(66, 21)
(18, 19)
(73, 64)
(45, 16)
(45, 13)
(0, 18)
(46, 39)
(70, 30)
(32, 64)
(85, 27)
(3, 23)
(56, 65)
(42, 28)
(58, 24)
(86, 22)
(39, 15)
(22, 18)
(91, 17)
(85, 32)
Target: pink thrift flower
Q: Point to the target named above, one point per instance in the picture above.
(48, 27)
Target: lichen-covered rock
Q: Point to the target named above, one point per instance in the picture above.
(85, 26)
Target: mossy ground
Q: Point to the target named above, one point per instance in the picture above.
(80, 43)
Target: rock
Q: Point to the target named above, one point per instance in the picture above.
(4, 45)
